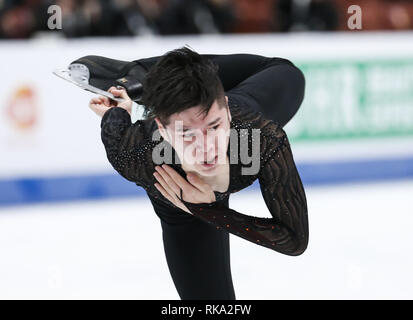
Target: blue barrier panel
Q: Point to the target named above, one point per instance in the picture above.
(86, 187)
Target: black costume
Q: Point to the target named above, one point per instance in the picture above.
(264, 93)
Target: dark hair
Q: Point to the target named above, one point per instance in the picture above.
(179, 80)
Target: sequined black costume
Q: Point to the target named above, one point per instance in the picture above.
(264, 93)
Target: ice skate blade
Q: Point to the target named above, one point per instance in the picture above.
(81, 82)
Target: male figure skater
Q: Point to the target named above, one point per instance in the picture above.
(212, 112)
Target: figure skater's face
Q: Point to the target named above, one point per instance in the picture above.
(200, 141)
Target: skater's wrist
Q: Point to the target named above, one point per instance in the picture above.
(193, 205)
(116, 116)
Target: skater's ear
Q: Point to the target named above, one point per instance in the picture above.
(159, 124)
(162, 129)
(228, 111)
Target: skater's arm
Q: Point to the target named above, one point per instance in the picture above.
(123, 140)
(284, 195)
(124, 143)
(233, 68)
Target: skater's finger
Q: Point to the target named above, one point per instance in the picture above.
(119, 92)
(102, 101)
(163, 183)
(93, 104)
(167, 192)
(106, 101)
(94, 100)
(98, 108)
(177, 178)
(164, 192)
(166, 179)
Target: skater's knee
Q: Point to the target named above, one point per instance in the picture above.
(287, 86)
(293, 84)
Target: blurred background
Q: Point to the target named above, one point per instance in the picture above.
(71, 227)
(84, 18)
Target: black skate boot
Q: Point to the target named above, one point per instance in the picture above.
(97, 74)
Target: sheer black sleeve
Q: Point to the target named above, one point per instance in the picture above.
(127, 146)
(284, 195)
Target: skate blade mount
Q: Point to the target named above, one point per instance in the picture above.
(78, 74)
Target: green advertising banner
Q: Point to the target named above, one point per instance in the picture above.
(355, 99)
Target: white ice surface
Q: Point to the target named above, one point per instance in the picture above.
(360, 247)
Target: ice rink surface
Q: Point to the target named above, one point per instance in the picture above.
(360, 247)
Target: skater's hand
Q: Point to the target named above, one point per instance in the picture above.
(101, 104)
(174, 187)
(121, 93)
